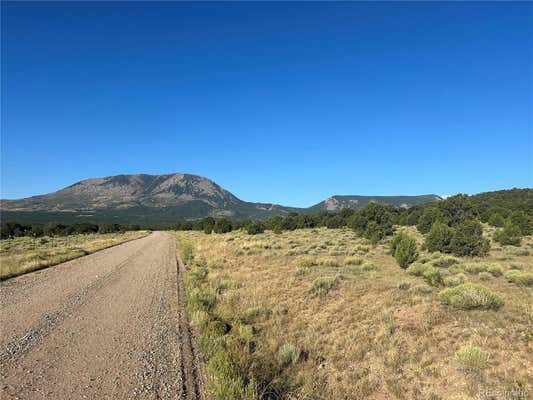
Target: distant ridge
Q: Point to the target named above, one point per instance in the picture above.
(337, 203)
(143, 198)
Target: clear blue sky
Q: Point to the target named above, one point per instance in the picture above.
(281, 102)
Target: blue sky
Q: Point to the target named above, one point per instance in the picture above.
(276, 102)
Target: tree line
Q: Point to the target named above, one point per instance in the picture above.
(14, 229)
(452, 225)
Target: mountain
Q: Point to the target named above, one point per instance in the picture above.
(137, 198)
(143, 198)
(337, 203)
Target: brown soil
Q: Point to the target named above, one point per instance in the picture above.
(109, 325)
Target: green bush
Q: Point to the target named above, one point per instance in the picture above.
(406, 251)
(468, 239)
(306, 262)
(474, 268)
(495, 269)
(445, 262)
(289, 354)
(510, 235)
(395, 241)
(225, 381)
(516, 251)
(523, 221)
(496, 220)
(433, 277)
(485, 276)
(471, 358)
(417, 269)
(186, 250)
(324, 285)
(373, 221)
(520, 277)
(422, 289)
(470, 296)
(439, 237)
(368, 266)
(255, 228)
(430, 215)
(329, 262)
(455, 280)
(222, 226)
(353, 260)
(202, 298)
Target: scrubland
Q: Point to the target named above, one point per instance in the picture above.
(324, 314)
(25, 254)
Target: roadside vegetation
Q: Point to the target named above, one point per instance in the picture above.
(20, 255)
(324, 313)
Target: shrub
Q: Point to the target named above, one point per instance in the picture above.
(517, 265)
(510, 235)
(468, 239)
(224, 379)
(253, 313)
(199, 319)
(496, 220)
(329, 262)
(406, 251)
(324, 285)
(516, 251)
(373, 221)
(422, 289)
(202, 298)
(474, 268)
(353, 261)
(456, 269)
(470, 296)
(305, 262)
(185, 250)
(433, 277)
(471, 358)
(520, 277)
(222, 226)
(523, 221)
(255, 228)
(439, 237)
(289, 354)
(197, 274)
(417, 269)
(444, 262)
(485, 276)
(368, 266)
(455, 280)
(495, 269)
(427, 219)
(396, 240)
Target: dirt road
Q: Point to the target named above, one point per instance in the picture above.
(108, 325)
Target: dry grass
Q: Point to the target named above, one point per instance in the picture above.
(368, 332)
(21, 255)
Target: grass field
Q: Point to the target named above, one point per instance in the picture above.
(322, 314)
(24, 254)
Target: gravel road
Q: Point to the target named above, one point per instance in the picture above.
(109, 325)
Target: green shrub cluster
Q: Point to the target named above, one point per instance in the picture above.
(522, 278)
(471, 358)
(323, 285)
(405, 249)
(471, 296)
(464, 239)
